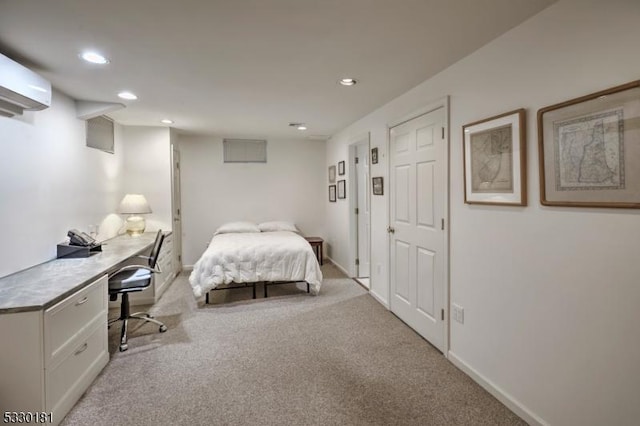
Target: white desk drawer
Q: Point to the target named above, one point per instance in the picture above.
(65, 320)
(65, 382)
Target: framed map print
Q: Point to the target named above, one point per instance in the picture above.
(589, 150)
(494, 157)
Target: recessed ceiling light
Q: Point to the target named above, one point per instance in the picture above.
(301, 127)
(166, 121)
(348, 81)
(94, 58)
(127, 95)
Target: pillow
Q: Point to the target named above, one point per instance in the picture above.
(277, 226)
(232, 227)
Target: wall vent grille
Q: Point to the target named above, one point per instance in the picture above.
(245, 150)
(100, 133)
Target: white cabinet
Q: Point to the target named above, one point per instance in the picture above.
(50, 357)
(166, 264)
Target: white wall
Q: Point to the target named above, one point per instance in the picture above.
(51, 181)
(290, 186)
(147, 171)
(550, 294)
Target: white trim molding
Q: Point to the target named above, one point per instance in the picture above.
(379, 298)
(513, 404)
(337, 265)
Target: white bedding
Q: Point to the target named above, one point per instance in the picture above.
(254, 257)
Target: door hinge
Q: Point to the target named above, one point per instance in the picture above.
(178, 165)
(357, 211)
(442, 224)
(442, 314)
(443, 133)
(178, 211)
(356, 160)
(357, 262)
(179, 258)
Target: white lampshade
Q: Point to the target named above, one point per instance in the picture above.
(134, 205)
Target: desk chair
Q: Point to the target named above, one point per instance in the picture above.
(132, 278)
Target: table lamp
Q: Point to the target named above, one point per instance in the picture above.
(134, 205)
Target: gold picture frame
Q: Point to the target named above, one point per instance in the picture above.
(589, 150)
(494, 159)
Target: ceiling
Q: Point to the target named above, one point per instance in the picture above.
(246, 68)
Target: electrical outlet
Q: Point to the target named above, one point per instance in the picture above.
(379, 268)
(458, 313)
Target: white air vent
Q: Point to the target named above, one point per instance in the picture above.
(245, 151)
(21, 89)
(100, 134)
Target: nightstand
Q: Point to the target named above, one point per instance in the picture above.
(316, 245)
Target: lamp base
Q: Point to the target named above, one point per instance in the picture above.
(135, 225)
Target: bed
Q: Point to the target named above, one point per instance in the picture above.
(242, 254)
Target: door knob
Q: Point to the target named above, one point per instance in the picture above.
(391, 230)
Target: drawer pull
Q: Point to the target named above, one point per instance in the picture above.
(83, 301)
(82, 349)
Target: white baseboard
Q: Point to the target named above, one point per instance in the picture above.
(372, 292)
(514, 405)
(379, 298)
(187, 268)
(337, 265)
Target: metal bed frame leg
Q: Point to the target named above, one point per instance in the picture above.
(253, 285)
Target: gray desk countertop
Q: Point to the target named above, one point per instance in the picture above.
(46, 284)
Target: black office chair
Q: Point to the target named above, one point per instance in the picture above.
(132, 278)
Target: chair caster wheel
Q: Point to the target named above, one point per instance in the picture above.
(124, 347)
(163, 328)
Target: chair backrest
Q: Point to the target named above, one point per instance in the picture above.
(155, 252)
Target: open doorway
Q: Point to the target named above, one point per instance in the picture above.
(176, 212)
(359, 207)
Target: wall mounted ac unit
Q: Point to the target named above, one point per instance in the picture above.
(21, 89)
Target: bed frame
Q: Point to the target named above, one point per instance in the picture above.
(253, 285)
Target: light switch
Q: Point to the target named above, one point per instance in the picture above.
(458, 313)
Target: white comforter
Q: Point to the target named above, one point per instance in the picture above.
(254, 257)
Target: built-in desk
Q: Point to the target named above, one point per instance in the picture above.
(53, 328)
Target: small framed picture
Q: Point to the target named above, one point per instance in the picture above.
(341, 168)
(378, 187)
(374, 155)
(342, 189)
(332, 193)
(494, 158)
(332, 174)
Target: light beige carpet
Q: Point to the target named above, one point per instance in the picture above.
(336, 359)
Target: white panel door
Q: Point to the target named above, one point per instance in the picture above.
(417, 192)
(362, 177)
